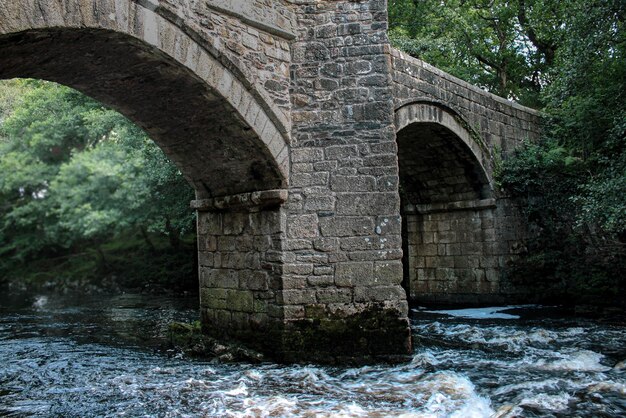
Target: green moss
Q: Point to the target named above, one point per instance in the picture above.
(370, 336)
(192, 341)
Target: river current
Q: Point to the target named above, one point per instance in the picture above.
(65, 356)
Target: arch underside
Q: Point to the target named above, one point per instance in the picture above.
(437, 167)
(197, 128)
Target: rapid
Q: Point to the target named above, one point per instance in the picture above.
(103, 356)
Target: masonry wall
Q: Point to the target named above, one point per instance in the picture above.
(239, 255)
(460, 256)
(253, 35)
(462, 234)
(343, 259)
(501, 124)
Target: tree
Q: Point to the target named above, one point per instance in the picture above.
(75, 172)
(506, 47)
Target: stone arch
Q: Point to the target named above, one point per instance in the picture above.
(446, 201)
(442, 121)
(195, 104)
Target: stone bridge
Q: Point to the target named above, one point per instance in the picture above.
(336, 178)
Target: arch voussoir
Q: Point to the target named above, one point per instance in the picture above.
(158, 35)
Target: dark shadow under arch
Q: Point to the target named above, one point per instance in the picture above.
(436, 166)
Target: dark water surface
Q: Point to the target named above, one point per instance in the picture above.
(99, 356)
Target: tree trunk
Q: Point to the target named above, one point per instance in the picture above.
(146, 238)
(172, 234)
(103, 260)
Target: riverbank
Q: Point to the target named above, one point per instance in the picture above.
(125, 264)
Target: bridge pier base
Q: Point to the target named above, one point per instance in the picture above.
(249, 290)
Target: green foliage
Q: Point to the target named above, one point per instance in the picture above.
(502, 46)
(130, 264)
(574, 181)
(570, 59)
(77, 174)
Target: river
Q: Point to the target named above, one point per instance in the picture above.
(99, 356)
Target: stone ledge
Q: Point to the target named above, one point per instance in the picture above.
(244, 202)
(272, 22)
(451, 206)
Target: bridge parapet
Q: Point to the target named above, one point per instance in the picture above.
(502, 124)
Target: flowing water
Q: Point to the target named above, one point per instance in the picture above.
(99, 356)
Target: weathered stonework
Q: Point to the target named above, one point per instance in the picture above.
(343, 226)
(321, 158)
(460, 234)
(240, 264)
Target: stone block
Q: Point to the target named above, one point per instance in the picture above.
(301, 155)
(219, 278)
(367, 204)
(227, 243)
(323, 203)
(492, 275)
(334, 295)
(209, 223)
(298, 269)
(293, 311)
(321, 280)
(326, 244)
(207, 243)
(445, 237)
(370, 243)
(472, 248)
(427, 249)
(378, 255)
(346, 226)
(379, 294)
(303, 226)
(431, 262)
(388, 225)
(205, 259)
(239, 261)
(352, 183)
(323, 270)
(294, 282)
(223, 319)
(298, 244)
(266, 223)
(253, 280)
(314, 258)
(309, 179)
(453, 249)
(341, 152)
(388, 272)
(240, 300)
(349, 273)
(297, 297)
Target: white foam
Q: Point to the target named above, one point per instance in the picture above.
(553, 403)
(242, 389)
(536, 386)
(40, 302)
(580, 361)
(493, 312)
